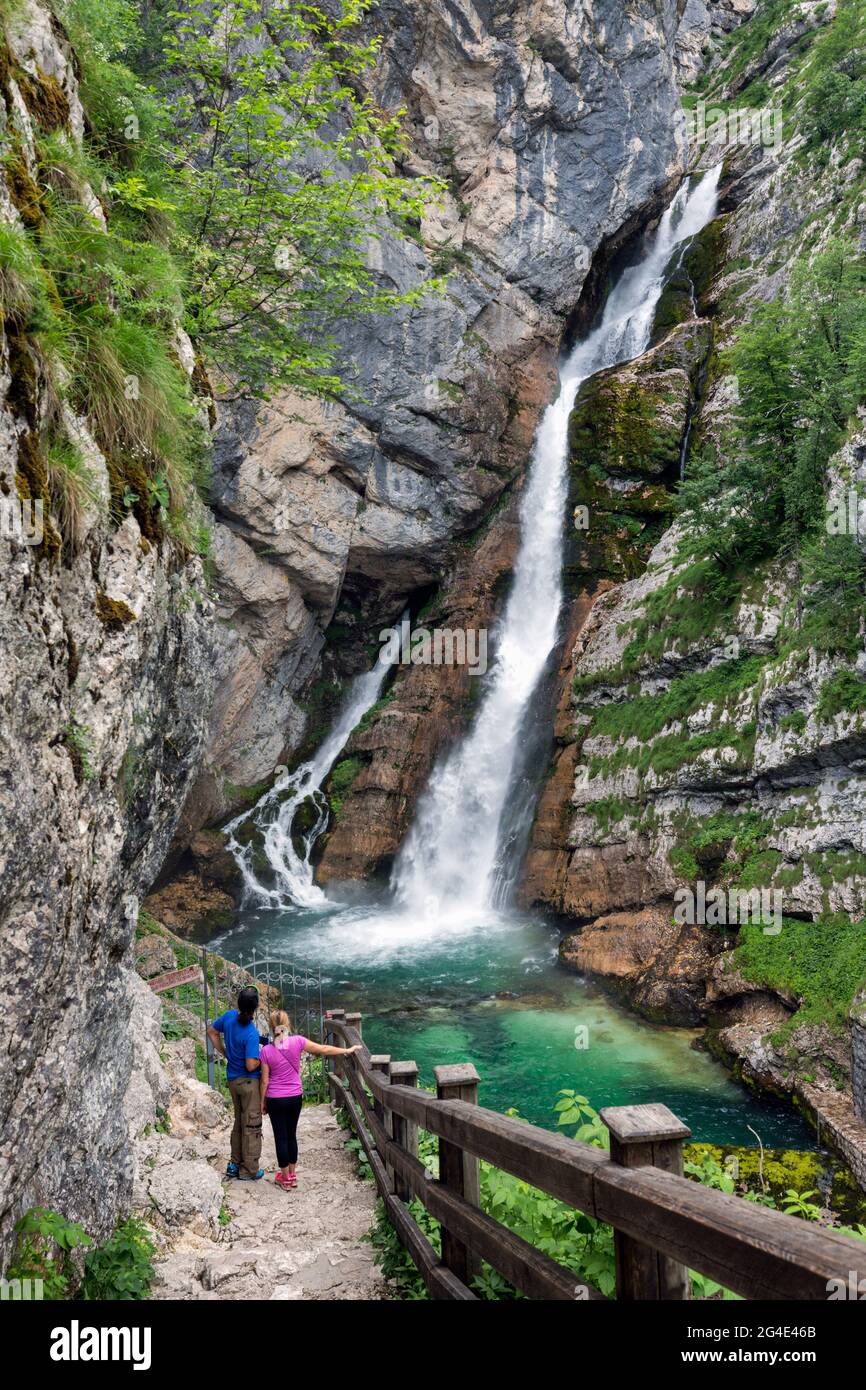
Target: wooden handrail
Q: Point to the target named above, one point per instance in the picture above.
(754, 1251)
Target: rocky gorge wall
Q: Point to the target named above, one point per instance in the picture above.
(698, 740)
(106, 680)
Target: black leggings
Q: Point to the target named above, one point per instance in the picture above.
(283, 1112)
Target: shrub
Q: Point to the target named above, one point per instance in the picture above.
(122, 1268)
(47, 1247)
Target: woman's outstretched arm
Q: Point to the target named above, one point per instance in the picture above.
(325, 1050)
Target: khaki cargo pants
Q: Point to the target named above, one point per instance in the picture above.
(247, 1132)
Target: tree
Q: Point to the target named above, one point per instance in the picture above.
(286, 177)
(801, 368)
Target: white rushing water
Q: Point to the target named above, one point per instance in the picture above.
(450, 866)
(271, 818)
(450, 871)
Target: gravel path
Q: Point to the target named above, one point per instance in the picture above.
(306, 1244)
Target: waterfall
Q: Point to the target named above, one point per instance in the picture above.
(273, 816)
(451, 864)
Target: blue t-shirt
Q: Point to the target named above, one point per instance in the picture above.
(240, 1043)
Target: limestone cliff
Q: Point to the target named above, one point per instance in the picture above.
(104, 691)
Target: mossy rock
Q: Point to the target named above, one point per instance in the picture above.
(45, 99)
(705, 260)
(674, 306)
(113, 613)
(32, 484)
(128, 485)
(340, 782)
(628, 426)
(615, 547)
(24, 190)
(786, 1170)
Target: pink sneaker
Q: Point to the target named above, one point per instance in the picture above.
(284, 1183)
(292, 1180)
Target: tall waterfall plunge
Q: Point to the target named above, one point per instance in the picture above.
(452, 863)
(453, 867)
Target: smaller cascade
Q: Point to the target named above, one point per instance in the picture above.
(287, 848)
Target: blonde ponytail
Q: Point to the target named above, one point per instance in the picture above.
(281, 1024)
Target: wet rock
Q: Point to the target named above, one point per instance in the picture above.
(660, 966)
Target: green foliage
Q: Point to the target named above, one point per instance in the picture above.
(834, 579)
(801, 368)
(62, 1255)
(730, 845)
(47, 1247)
(232, 179)
(340, 782)
(283, 176)
(122, 1268)
(834, 90)
(823, 963)
(645, 716)
(93, 295)
(74, 491)
(798, 1204)
(844, 691)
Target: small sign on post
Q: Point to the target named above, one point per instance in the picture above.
(188, 975)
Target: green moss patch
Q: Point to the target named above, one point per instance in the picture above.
(340, 782)
(627, 426)
(822, 962)
(113, 613)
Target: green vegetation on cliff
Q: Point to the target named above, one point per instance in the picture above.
(822, 962)
(800, 364)
(231, 178)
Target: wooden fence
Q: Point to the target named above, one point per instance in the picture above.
(664, 1224)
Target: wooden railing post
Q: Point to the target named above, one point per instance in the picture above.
(381, 1064)
(331, 1038)
(458, 1170)
(643, 1136)
(404, 1132)
(354, 1021)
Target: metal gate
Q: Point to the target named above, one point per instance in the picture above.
(281, 984)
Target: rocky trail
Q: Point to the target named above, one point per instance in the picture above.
(223, 1239)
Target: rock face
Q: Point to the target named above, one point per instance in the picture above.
(696, 740)
(554, 124)
(104, 694)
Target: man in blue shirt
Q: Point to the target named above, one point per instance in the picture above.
(235, 1035)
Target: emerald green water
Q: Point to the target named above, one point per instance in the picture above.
(491, 991)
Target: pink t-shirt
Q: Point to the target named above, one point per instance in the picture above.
(285, 1066)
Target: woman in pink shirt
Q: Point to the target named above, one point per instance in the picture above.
(283, 1090)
